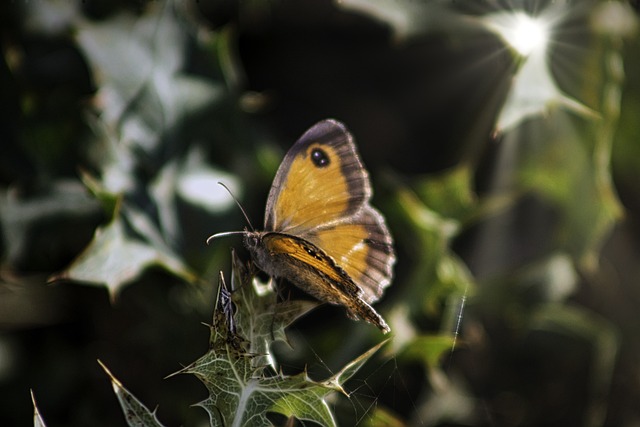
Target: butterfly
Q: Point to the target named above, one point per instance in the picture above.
(320, 232)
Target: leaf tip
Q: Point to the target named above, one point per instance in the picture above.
(114, 381)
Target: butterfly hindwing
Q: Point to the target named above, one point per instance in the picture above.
(310, 268)
(363, 248)
(305, 259)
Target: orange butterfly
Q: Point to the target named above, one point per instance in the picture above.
(320, 232)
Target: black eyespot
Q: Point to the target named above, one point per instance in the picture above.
(319, 158)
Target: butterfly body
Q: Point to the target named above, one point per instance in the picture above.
(312, 270)
(320, 232)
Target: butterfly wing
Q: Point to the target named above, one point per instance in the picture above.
(363, 248)
(315, 272)
(321, 193)
(321, 180)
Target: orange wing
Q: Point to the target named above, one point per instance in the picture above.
(320, 181)
(321, 193)
(363, 248)
(301, 250)
(312, 270)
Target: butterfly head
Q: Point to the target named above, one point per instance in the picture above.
(263, 252)
(252, 240)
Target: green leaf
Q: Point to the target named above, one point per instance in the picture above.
(243, 388)
(110, 201)
(141, 46)
(439, 272)
(452, 196)
(148, 142)
(241, 398)
(260, 320)
(536, 93)
(136, 414)
(564, 154)
(428, 349)
(115, 258)
(449, 193)
(306, 399)
(554, 158)
(144, 94)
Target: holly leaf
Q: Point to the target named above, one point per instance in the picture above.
(136, 414)
(241, 395)
(115, 258)
(238, 371)
(144, 93)
(259, 317)
(535, 93)
(305, 399)
(37, 418)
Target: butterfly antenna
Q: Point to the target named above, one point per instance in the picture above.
(231, 233)
(246, 217)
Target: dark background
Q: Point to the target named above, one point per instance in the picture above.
(418, 107)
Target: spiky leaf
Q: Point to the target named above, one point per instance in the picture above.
(136, 414)
(116, 258)
(37, 418)
(237, 369)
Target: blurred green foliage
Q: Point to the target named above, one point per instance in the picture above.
(509, 181)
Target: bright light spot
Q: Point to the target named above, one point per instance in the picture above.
(201, 188)
(534, 89)
(525, 33)
(529, 34)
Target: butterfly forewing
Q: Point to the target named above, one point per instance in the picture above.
(321, 180)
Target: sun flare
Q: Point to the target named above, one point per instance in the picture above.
(523, 32)
(528, 34)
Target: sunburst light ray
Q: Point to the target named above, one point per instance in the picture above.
(530, 35)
